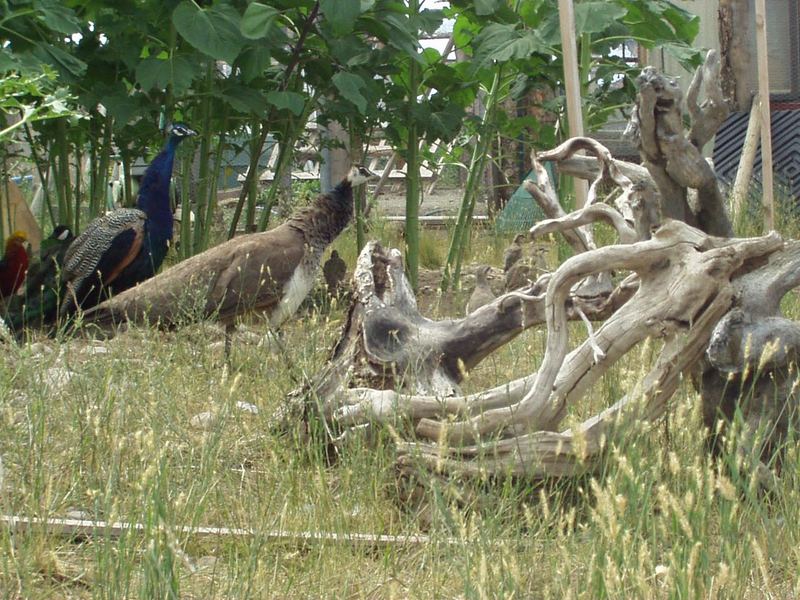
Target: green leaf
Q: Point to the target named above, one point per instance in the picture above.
(350, 48)
(686, 25)
(58, 17)
(341, 14)
(214, 31)
(156, 73)
(594, 17)
(486, 7)
(246, 100)
(8, 62)
(690, 58)
(350, 86)
(258, 21)
(65, 62)
(464, 31)
(402, 35)
(252, 62)
(291, 101)
(438, 118)
(428, 20)
(120, 106)
(499, 42)
(550, 30)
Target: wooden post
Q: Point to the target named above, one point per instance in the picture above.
(572, 84)
(766, 129)
(744, 173)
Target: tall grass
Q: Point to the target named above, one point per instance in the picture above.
(117, 442)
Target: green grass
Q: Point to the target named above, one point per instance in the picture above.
(662, 520)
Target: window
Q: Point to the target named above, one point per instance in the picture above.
(783, 45)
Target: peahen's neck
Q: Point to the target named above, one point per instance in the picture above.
(153, 196)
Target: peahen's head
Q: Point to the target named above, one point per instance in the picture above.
(179, 131)
(359, 175)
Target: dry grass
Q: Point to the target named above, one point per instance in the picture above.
(116, 442)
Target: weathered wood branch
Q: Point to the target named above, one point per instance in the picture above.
(573, 452)
(751, 361)
(682, 288)
(589, 214)
(709, 115)
(670, 290)
(387, 346)
(637, 204)
(673, 157)
(545, 196)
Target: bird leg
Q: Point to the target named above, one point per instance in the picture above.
(230, 329)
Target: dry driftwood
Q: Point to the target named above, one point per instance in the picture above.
(751, 360)
(672, 156)
(386, 344)
(684, 287)
(682, 290)
(685, 274)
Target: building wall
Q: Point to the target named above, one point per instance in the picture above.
(780, 49)
(708, 38)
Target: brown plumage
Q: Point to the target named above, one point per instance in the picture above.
(482, 294)
(523, 272)
(513, 253)
(519, 275)
(272, 271)
(334, 271)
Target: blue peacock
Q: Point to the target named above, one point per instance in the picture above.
(126, 246)
(115, 252)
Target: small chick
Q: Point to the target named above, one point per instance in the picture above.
(334, 271)
(519, 275)
(483, 293)
(513, 253)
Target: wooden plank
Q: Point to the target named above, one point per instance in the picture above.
(768, 198)
(744, 172)
(90, 528)
(572, 85)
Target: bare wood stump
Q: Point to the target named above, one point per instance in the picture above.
(392, 364)
(387, 345)
(673, 157)
(751, 362)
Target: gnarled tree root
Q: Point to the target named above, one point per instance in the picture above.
(684, 288)
(387, 349)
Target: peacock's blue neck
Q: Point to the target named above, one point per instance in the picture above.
(153, 197)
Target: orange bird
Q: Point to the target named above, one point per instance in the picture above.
(14, 264)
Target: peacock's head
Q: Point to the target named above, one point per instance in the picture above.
(360, 174)
(61, 233)
(179, 131)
